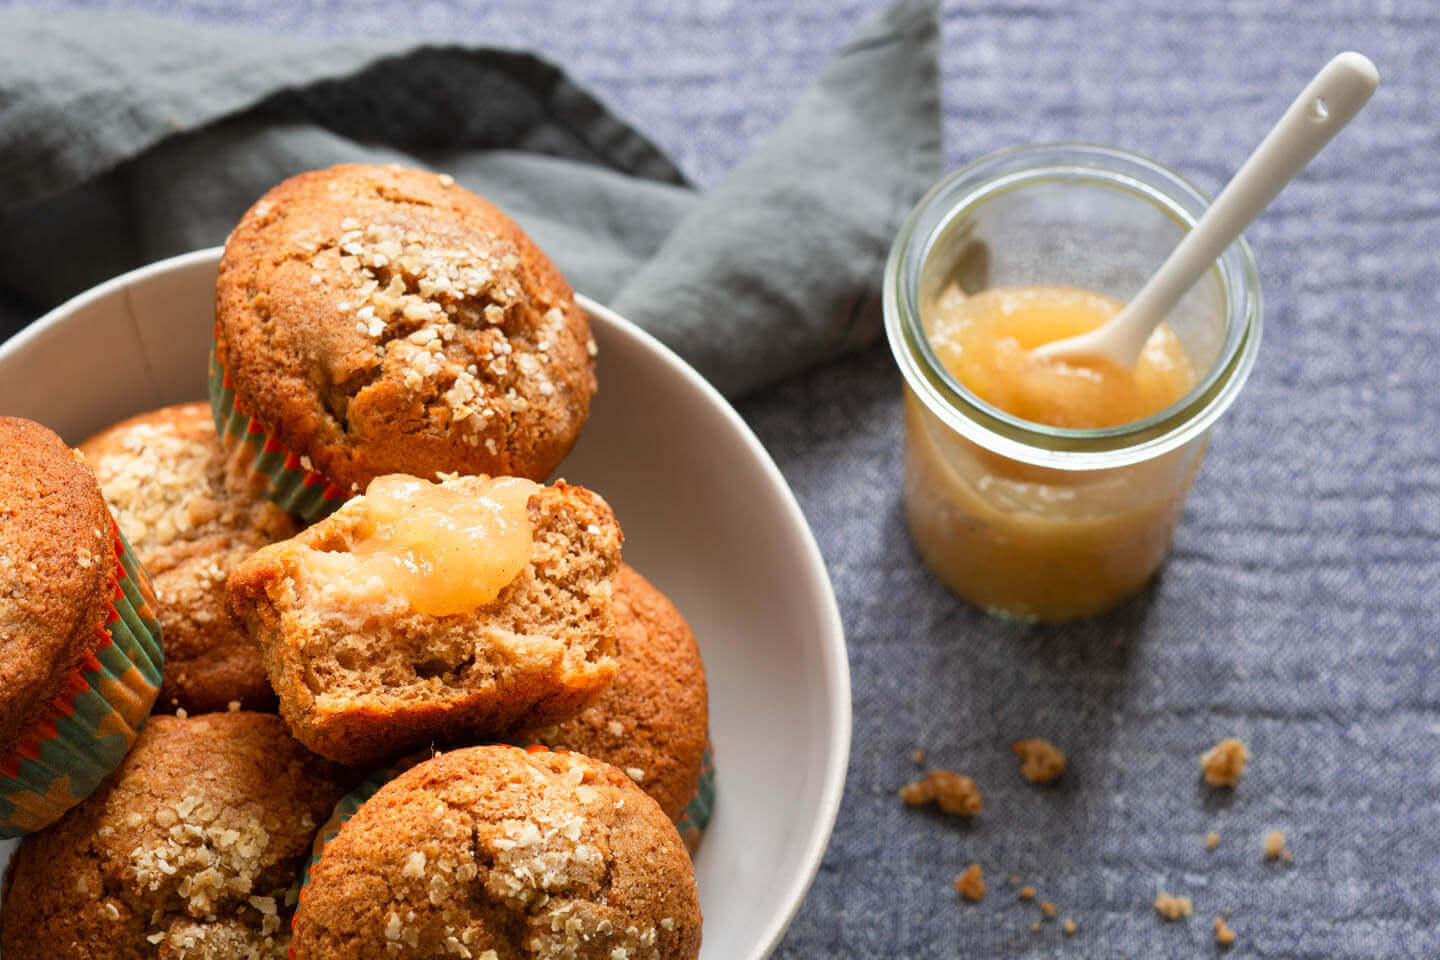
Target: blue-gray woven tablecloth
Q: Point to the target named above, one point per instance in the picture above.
(1298, 609)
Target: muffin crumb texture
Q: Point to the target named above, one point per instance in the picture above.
(971, 883)
(1222, 764)
(1224, 936)
(501, 852)
(361, 676)
(1173, 908)
(957, 795)
(1040, 760)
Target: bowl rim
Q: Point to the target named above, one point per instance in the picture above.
(835, 664)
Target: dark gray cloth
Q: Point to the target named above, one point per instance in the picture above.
(1298, 609)
(125, 139)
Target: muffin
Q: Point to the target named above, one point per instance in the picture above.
(426, 612)
(191, 849)
(189, 521)
(80, 654)
(373, 320)
(652, 722)
(498, 853)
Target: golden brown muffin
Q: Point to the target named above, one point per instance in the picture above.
(189, 521)
(496, 853)
(191, 849)
(363, 675)
(384, 320)
(57, 571)
(653, 721)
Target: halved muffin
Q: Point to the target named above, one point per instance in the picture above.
(429, 612)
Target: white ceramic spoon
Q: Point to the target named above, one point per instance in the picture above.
(1336, 94)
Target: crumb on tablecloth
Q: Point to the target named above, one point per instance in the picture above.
(1224, 936)
(1223, 763)
(971, 883)
(1040, 760)
(1173, 908)
(1275, 846)
(954, 793)
(1212, 840)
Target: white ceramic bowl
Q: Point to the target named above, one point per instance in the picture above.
(707, 518)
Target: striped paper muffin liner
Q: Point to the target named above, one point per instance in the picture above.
(288, 480)
(691, 826)
(698, 811)
(94, 721)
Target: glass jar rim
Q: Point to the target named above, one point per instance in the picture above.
(1039, 444)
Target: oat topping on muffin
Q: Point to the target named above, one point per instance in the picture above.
(499, 852)
(380, 320)
(191, 849)
(189, 520)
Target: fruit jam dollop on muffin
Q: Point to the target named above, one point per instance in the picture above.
(191, 849)
(496, 852)
(384, 320)
(425, 612)
(190, 520)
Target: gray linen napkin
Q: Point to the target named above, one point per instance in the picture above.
(124, 139)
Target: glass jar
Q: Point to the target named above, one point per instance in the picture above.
(1022, 519)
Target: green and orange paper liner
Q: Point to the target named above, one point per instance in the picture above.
(288, 482)
(94, 721)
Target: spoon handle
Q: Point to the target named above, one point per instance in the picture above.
(1326, 104)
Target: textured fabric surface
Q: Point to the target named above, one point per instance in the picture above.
(126, 139)
(1298, 609)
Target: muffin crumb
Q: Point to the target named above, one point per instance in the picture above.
(1069, 928)
(971, 884)
(1048, 908)
(957, 795)
(1223, 763)
(1212, 840)
(1224, 936)
(1275, 846)
(1027, 893)
(918, 756)
(1173, 908)
(1035, 927)
(1040, 760)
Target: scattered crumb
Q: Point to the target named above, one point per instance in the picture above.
(955, 794)
(1212, 840)
(1275, 845)
(1040, 761)
(233, 706)
(918, 756)
(1035, 927)
(1173, 908)
(1048, 908)
(181, 713)
(1014, 879)
(1223, 763)
(1027, 893)
(1069, 928)
(1224, 936)
(971, 884)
